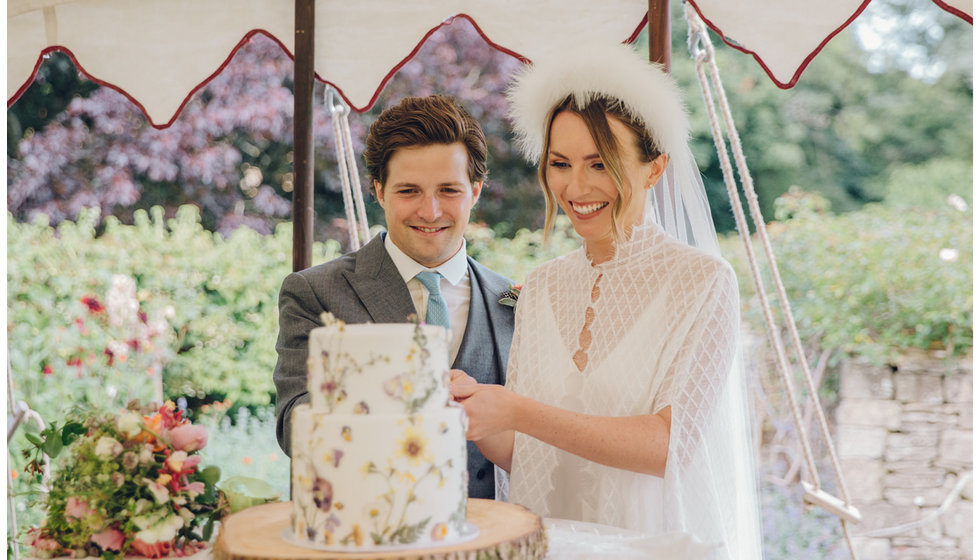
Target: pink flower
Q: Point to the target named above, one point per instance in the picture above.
(76, 509)
(38, 541)
(154, 550)
(195, 489)
(110, 539)
(188, 437)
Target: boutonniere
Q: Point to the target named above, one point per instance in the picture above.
(509, 298)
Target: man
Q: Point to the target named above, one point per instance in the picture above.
(427, 160)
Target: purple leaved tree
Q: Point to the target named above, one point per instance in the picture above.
(230, 150)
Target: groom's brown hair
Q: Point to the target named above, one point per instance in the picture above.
(423, 121)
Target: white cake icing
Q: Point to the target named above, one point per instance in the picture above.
(378, 368)
(379, 454)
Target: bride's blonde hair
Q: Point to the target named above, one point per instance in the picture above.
(594, 114)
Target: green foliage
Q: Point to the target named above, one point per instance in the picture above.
(243, 444)
(872, 282)
(517, 256)
(216, 297)
(929, 184)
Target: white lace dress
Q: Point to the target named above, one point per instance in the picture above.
(664, 334)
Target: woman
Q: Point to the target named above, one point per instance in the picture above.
(623, 405)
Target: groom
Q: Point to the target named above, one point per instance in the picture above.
(427, 159)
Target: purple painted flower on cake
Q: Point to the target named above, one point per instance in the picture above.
(322, 494)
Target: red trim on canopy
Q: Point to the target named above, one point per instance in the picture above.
(806, 61)
(244, 40)
(418, 46)
(411, 55)
(142, 109)
(955, 11)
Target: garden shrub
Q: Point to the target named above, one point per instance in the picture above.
(872, 282)
(211, 299)
(205, 304)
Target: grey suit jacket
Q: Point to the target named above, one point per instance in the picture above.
(365, 287)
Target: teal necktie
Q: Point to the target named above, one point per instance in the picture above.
(437, 312)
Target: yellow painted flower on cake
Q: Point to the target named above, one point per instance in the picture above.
(414, 446)
(439, 531)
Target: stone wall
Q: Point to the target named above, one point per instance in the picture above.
(905, 438)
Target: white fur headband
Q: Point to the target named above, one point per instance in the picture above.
(585, 70)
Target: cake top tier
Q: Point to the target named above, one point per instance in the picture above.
(371, 368)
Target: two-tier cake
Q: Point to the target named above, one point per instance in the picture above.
(379, 454)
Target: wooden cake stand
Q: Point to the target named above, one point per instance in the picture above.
(507, 532)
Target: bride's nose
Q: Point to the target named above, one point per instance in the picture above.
(577, 183)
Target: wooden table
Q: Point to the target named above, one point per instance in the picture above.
(507, 532)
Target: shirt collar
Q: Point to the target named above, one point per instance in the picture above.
(452, 270)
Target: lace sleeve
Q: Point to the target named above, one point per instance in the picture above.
(701, 369)
(710, 479)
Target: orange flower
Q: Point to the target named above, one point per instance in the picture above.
(153, 426)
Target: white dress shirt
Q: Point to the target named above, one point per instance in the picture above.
(454, 284)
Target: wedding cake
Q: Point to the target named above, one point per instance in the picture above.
(379, 454)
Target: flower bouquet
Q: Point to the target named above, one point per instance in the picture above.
(131, 484)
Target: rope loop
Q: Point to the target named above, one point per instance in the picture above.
(336, 103)
(697, 38)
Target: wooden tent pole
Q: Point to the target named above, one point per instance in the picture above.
(303, 135)
(658, 26)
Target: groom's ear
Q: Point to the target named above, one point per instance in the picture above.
(477, 189)
(379, 190)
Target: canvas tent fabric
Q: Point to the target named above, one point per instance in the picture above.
(159, 52)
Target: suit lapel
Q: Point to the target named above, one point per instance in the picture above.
(378, 284)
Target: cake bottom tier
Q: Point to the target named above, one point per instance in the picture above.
(378, 480)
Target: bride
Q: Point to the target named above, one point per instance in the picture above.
(624, 403)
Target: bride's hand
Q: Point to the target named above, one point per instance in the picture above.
(459, 378)
(489, 408)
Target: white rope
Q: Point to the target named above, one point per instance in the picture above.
(355, 181)
(704, 55)
(338, 113)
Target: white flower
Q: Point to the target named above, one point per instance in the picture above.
(159, 491)
(107, 447)
(948, 255)
(956, 201)
(121, 302)
(129, 423)
(146, 454)
(158, 526)
(142, 505)
(186, 514)
(176, 460)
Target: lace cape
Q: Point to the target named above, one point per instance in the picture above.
(665, 333)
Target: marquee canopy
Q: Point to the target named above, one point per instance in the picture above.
(159, 52)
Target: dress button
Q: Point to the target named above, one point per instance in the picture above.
(481, 474)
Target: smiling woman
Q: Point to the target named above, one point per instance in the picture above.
(602, 200)
(624, 404)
